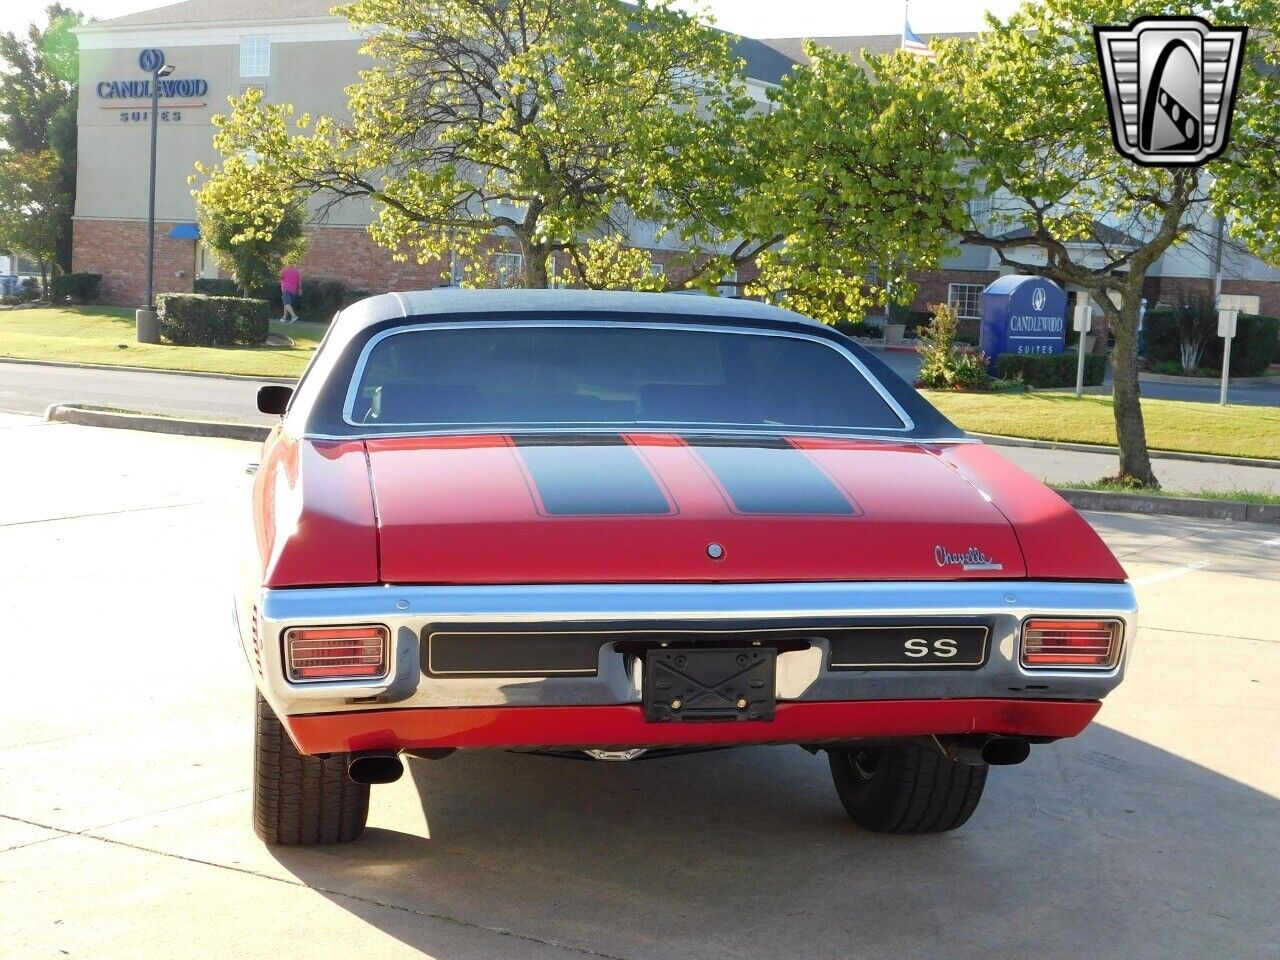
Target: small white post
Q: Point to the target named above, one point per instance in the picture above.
(1230, 306)
(1082, 321)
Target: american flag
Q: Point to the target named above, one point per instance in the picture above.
(912, 43)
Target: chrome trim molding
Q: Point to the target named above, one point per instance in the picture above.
(407, 611)
(357, 375)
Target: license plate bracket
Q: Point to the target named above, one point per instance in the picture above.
(714, 684)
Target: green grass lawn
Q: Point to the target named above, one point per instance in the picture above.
(1171, 424)
(106, 335)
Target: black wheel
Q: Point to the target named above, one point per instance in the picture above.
(905, 789)
(302, 800)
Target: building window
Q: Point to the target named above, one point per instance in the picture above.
(966, 300)
(729, 286)
(508, 270)
(255, 57)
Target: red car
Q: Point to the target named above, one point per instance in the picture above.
(628, 524)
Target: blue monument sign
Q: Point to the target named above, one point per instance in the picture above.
(1023, 315)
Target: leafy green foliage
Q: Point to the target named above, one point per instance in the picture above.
(251, 245)
(1051, 370)
(942, 366)
(858, 185)
(34, 208)
(38, 116)
(196, 320)
(547, 118)
(1252, 350)
(320, 300)
(79, 287)
(1029, 115)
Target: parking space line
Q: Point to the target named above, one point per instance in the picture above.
(1172, 574)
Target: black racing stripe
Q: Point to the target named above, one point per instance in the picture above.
(596, 479)
(774, 480)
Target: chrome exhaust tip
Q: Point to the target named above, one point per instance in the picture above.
(1005, 751)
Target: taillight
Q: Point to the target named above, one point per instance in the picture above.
(335, 653)
(1071, 644)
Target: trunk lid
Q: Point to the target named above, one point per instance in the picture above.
(649, 508)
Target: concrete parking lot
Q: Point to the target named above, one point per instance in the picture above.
(125, 761)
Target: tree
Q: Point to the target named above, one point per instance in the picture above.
(547, 123)
(1026, 106)
(251, 243)
(33, 206)
(38, 105)
(854, 187)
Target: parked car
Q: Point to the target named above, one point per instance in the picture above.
(614, 523)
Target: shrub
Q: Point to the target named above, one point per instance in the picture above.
(1253, 347)
(79, 287)
(1051, 369)
(217, 286)
(855, 328)
(941, 366)
(1251, 351)
(197, 320)
(28, 290)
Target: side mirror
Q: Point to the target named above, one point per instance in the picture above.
(273, 399)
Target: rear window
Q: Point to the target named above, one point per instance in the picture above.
(612, 376)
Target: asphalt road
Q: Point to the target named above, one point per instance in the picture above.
(125, 756)
(33, 388)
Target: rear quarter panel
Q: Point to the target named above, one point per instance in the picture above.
(1057, 543)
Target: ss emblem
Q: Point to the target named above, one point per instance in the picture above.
(944, 648)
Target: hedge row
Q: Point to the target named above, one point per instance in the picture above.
(1051, 370)
(80, 287)
(196, 320)
(321, 299)
(1252, 351)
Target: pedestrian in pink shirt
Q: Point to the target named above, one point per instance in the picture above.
(290, 290)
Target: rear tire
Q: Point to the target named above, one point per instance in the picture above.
(906, 788)
(301, 800)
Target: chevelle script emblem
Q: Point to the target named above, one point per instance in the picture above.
(971, 559)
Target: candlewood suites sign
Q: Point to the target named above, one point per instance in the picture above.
(132, 96)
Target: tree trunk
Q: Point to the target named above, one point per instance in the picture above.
(535, 264)
(1131, 432)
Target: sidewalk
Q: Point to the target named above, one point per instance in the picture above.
(1070, 466)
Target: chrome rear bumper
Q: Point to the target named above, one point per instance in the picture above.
(802, 675)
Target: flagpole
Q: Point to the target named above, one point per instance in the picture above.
(906, 16)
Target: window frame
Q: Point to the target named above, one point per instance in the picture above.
(255, 54)
(352, 390)
(952, 300)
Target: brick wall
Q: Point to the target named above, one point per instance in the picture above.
(1170, 290)
(117, 249)
(933, 284)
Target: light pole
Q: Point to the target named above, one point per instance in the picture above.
(148, 327)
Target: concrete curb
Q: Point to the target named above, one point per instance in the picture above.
(1001, 441)
(1081, 499)
(99, 417)
(1108, 502)
(290, 381)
